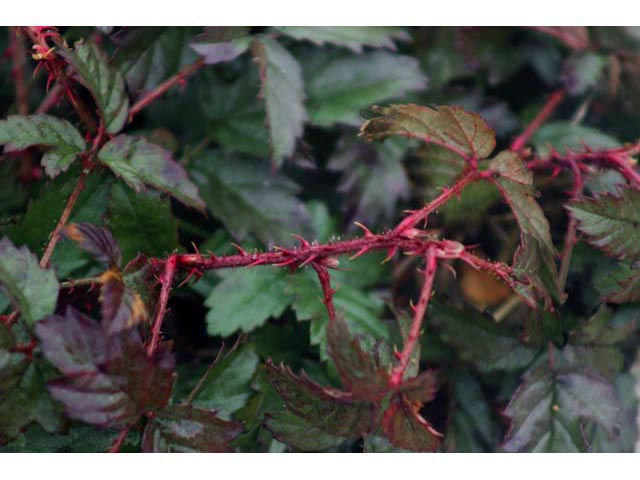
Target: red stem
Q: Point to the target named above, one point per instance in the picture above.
(325, 283)
(551, 104)
(165, 86)
(167, 282)
(431, 265)
(470, 176)
(119, 441)
(52, 98)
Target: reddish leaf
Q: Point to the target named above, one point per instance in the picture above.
(98, 241)
(326, 408)
(183, 428)
(421, 389)
(406, 428)
(108, 380)
(122, 308)
(359, 370)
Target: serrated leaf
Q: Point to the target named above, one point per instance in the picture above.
(62, 138)
(283, 92)
(216, 47)
(226, 386)
(566, 135)
(147, 56)
(611, 223)
(108, 381)
(245, 299)
(142, 222)
(340, 85)
(629, 290)
(354, 38)
(486, 345)
(140, 163)
(360, 310)
(235, 116)
(373, 178)
(45, 209)
(449, 125)
(547, 409)
(360, 371)
(406, 428)
(599, 331)
(438, 168)
(104, 81)
(327, 409)
(80, 438)
(34, 289)
(122, 307)
(98, 241)
(25, 402)
(182, 428)
(300, 434)
(249, 198)
(535, 256)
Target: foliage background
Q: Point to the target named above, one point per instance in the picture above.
(283, 156)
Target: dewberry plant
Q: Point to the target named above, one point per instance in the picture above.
(319, 239)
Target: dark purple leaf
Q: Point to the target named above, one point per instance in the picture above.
(98, 241)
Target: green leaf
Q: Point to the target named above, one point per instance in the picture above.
(583, 71)
(535, 257)
(406, 428)
(34, 289)
(452, 126)
(299, 433)
(141, 163)
(354, 38)
(357, 361)
(360, 310)
(62, 138)
(548, 408)
(109, 381)
(566, 135)
(628, 291)
(373, 178)
(437, 168)
(245, 299)
(142, 222)
(226, 387)
(147, 56)
(26, 401)
(104, 81)
(79, 438)
(486, 345)
(611, 223)
(339, 85)
(249, 198)
(182, 428)
(235, 116)
(325, 408)
(283, 92)
(44, 211)
(221, 44)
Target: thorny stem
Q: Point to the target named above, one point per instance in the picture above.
(328, 292)
(551, 104)
(119, 441)
(165, 86)
(167, 281)
(570, 236)
(470, 176)
(64, 218)
(431, 265)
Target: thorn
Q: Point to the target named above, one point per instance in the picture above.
(412, 306)
(291, 261)
(303, 243)
(283, 250)
(367, 232)
(362, 251)
(392, 252)
(195, 248)
(256, 263)
(308, 260)
(449, 267)
(194, 272)
(241, 250)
